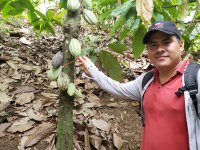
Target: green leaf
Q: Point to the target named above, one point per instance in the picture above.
(111, 65)
(6, 10)
(136, 24)
(118, 24)
(49, 14)
(107, 2)
(49, 28)
(117, 47)
(2, 4)
(41, 15)
(86, 51)
(32, 17)
(123, 34)
(137, 44)
(106, 14)
(158, 16)
(174, 2)
(158, 5)
(121, 9)
(29, 5)
(63, 4)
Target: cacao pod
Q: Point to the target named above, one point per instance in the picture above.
(87, 4)
(75, 47)
(78, 93)
(57, 59)
(63, 81)
(89, 17)
(73, 5)
(53, 73)
(71, 89)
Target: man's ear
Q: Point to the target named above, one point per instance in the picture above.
(182, 47)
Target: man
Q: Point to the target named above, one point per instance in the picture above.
(170, 121)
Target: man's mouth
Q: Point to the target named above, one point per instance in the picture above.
(160, 57)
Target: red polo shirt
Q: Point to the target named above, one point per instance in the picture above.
(165, 120)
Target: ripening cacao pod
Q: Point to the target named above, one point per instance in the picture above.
(87, 4)
(75, 47)
(73, 5)
(63, 81)
(57, 59)
(71, 89)
(78, 93)
(53, 73)
(89, 17)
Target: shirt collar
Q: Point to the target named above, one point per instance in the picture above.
(180, 69)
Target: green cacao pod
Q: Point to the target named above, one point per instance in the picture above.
(78, 93)
(63, 81)
(57, 59)
(53, 73)
(73, 5)
(87, 4)
(89, 17)
(75, 47)
(71, 89)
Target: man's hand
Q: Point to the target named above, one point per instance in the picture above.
(84, 62)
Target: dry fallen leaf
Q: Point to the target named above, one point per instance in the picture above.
(21, 125)
(33, 115)
(87, 141)
(25, 67)
(24, 98)
(4, 98)
(12, 64)
(117, 141)
(51, 140)
(101, 124)
(23, 40)
(50, 95)
(3, 127)
(43, 130)
(4, 105)
(3, 86)
(96, 141)
(23, 89)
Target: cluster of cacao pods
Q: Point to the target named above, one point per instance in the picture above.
(88, 14)
(63, 80)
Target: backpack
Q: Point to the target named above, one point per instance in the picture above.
(191, 85)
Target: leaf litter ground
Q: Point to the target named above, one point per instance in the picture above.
(29, 102)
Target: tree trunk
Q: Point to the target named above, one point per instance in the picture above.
(65, 115)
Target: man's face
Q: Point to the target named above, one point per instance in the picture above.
(164, 51)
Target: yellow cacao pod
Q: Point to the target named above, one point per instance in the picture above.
(87, 4)
(63, 81)
(73, 5)
(71, 89)
(78, 93)
(53, 73)
(89, 17)
(57, 59)
(75, 47)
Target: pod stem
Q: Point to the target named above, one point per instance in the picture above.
(65, 65)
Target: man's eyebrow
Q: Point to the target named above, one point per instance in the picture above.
(163, 40)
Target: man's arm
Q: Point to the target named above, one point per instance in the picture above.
(130, 90)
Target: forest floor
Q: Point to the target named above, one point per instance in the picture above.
(29, 101)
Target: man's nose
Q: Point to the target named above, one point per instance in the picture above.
(160, 48)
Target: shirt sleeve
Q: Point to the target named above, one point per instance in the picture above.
(130, 90)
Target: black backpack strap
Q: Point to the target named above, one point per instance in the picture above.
(146, 78)
(191, 85)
